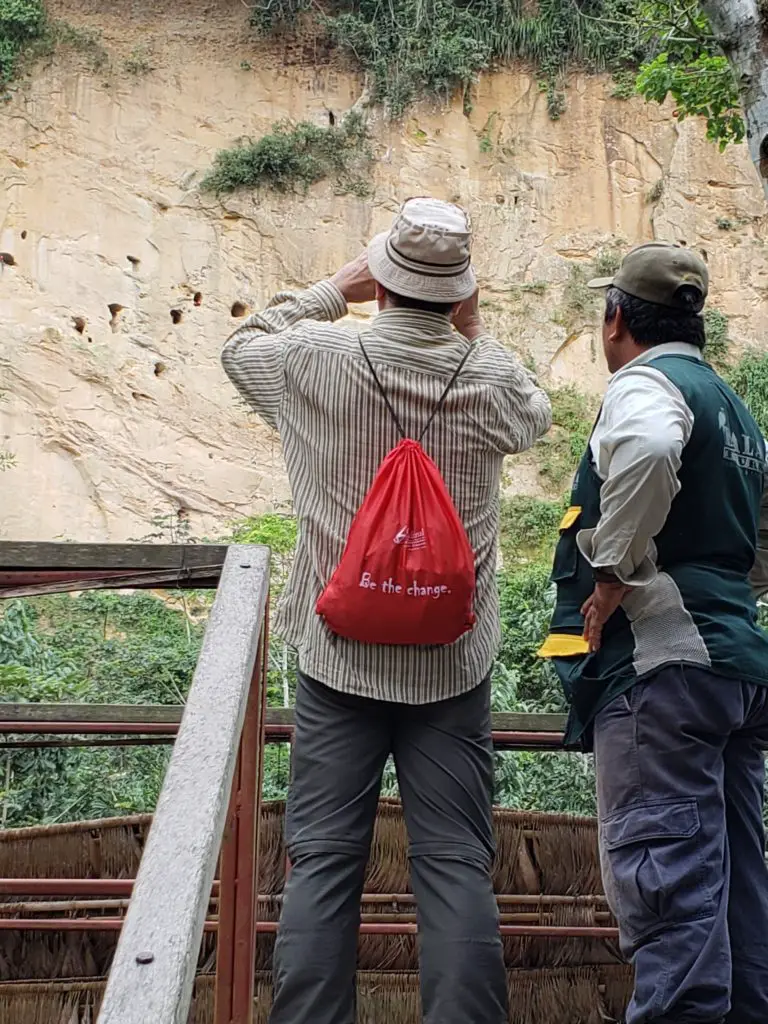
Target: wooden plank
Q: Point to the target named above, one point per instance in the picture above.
(154, 966)
(149, 714)
(170, 714)
(35, 583)
(505, 721)
(32, 555)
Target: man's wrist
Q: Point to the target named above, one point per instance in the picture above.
(605, 576)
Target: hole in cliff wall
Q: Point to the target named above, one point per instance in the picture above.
(176, 316)
(79, 322)
(331, 118)
(160, 369)
(23, 235)
(133, 260)
(239, 309)
(115, 309)
(198, 299)
(7, 259)
(764, 157)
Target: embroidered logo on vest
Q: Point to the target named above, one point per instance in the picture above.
(745, 455)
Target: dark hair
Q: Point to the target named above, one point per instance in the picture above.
(403, 302)
(651, 324)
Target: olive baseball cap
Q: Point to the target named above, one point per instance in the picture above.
(655, 271)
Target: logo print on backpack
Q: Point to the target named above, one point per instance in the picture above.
(412, 539)
(391, 586)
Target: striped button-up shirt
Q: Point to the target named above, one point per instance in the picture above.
(307, 378)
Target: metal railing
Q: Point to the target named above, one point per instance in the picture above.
(209, 805)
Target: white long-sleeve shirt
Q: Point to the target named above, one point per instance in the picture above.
(637, 445)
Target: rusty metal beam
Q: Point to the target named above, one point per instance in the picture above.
(96, 924)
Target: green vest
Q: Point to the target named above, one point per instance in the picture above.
(700, 610)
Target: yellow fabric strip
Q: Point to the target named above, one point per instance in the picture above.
(563, 645)
(570, 517)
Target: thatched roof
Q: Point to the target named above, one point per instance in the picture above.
(541, 854)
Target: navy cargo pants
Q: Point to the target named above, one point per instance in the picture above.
(444, 762)
(680, 774)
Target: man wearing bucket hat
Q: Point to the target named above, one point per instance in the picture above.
(356, 703)
(654, 636)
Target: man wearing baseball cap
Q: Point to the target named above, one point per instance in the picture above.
(356, 703)
(654, 636)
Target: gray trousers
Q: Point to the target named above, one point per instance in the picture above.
(680, 774)
(444, 763)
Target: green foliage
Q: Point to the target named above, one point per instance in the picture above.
(558, 783)
(139, 62)
(278, 532)
(701, 84)
(295, 156)
(624, 84)
(749, 379)
(411, 48)
(7, 460)
(103, 648)
(535, 287)
(561, 449)
(607, 261)
(529, 528)
(578, 301)
(21, 23)
(523, 681)
(274, 16)
(273, 529)
(718, 342)
(486, 136)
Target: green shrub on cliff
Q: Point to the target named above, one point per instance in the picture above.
(21, 23)
(295, 156)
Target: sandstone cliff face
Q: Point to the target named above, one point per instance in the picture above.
(111, 395)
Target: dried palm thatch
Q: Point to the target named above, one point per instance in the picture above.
(537, 854)
(108, 848)
(562, 995)
(78, 1002)
(576, 995)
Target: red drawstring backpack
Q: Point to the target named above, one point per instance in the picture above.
(407, 574)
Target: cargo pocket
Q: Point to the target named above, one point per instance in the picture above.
(653, 867)
(566, 560)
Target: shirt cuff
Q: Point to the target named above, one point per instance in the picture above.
(640, 576)
(324, 301)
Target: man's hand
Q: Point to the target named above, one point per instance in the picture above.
(354, 280)
(597, 609)
(466, 317)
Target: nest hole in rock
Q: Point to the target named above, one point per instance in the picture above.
(198, 298)
(239, 309)
(7, 259)
(115, 309)
(160, 369)
(764, 157)
(79, 324)
(176, 316)
(23, 235)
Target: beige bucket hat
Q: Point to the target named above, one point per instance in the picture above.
(426, 253)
